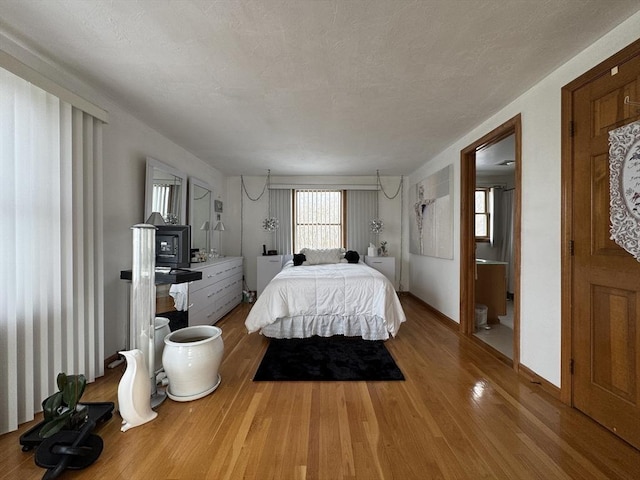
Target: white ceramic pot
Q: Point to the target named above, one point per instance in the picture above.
(161, 330)
(191, 359)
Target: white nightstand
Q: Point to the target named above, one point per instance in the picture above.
(385, 265)
(268, 267)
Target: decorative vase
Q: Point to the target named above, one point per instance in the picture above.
(191, 359)
(134, 392)
(161, 330)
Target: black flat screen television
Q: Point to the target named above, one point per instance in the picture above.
(172, 246)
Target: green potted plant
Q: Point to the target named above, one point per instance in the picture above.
(62, 410)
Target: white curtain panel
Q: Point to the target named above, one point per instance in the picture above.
(361, 209)
(51, 279)
(505, 219)
(280, 208)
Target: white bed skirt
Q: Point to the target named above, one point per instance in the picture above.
(369, 328)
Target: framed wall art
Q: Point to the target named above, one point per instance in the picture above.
(431, 218)
(624, 187)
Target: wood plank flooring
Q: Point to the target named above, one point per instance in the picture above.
(460, 414)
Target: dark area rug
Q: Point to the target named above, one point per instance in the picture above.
(335, 358)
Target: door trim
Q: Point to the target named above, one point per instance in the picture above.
(467, 230)
(566, 331)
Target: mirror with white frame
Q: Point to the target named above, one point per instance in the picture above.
(200, 210)
(165, 192)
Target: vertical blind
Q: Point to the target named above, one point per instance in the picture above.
(361, 209)
(51, 280)
(280, 207)
(318, 219)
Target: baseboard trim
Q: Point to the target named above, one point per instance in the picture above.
(448, 322)
(533, 377)
(524, 372)
(109, 360)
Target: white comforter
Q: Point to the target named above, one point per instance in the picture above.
(341, 290)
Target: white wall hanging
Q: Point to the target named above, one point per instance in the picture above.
(624, 187)
(431, 225)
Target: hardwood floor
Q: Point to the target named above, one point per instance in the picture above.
(460, 414)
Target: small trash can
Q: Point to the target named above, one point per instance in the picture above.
(481, 315)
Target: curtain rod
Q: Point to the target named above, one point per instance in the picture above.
(27, 73)
(306, 186)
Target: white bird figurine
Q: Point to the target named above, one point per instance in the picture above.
(134, 391)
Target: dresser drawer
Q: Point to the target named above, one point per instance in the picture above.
(385, 265)
(217, 271)
(228, 302)
(198, 299)
(203, 317)
(223, 303)
(217, 293)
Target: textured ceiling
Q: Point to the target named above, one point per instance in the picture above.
(307, 87)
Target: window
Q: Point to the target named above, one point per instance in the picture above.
(52, 308)
(483, 217)
(318, 219)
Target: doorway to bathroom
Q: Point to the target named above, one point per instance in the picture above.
(490, 241)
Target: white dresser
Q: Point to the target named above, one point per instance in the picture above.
(219, 291)
(385, 265)
(268, 267)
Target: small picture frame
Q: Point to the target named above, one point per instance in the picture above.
(217, 206)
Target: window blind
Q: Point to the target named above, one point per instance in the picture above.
(280, 207)
(52, 280)
(361, 209)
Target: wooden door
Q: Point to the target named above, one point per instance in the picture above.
(605, 283)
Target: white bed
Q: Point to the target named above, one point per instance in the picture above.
(350, 299)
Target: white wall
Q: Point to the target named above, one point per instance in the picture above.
(437, 281)
(253, 236)
(127, 142)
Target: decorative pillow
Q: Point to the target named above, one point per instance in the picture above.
(328, 255)
(298, 258)
(352, 256)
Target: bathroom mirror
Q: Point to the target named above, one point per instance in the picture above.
(200, 209)
(165, 192)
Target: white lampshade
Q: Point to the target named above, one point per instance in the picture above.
(205, 226)
(219, 227)
(155, 219)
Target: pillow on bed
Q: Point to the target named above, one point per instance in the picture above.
(328, 255)
(298, 258)
(352, 256)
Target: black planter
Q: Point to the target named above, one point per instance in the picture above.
(98, 412)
